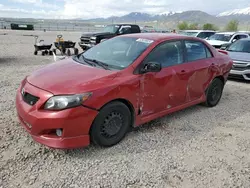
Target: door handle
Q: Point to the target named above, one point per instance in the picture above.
(183, 72)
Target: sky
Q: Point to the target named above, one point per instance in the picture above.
(87, 9)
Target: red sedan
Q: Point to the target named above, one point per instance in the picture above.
(120, 83)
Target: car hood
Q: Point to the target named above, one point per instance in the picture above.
(216, 42)
(239, 56)
(93, 34)
(70, 77)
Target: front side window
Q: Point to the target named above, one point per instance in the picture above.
(168, 54)
(118, 52)
(196, 50)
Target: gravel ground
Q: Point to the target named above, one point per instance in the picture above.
(196, 147)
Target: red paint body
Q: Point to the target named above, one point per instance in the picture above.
(151, 95)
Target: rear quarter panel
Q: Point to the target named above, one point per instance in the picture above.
(223, 62)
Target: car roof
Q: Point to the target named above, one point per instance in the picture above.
(199, 31)
(248, 39)
(159, 36)
(232, 33)
(123, 24)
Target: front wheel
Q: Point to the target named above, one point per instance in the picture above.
(214, 93)
(111, 124)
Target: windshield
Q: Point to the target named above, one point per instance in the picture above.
(240, 46)
(117, 53)
(111, 28)
(221, 37)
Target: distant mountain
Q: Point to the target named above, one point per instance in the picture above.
(189, 16)
(171, 19)
(194, 16)
(242, 15)
(134, 17)
(244, 11)
(131, 17)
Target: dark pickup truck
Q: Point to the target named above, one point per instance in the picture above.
(90, 39)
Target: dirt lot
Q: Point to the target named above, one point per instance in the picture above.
(197, 147)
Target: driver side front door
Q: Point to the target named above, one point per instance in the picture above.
(167, 89)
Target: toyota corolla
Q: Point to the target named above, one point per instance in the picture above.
(124, 82)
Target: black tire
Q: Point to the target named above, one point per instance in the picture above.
(43, 53)
(54, 50)
(35, 53)
(111, 124)
(68, 52)
(63, 51)
(46, 52)
(50, 52)
(76, 51)
(214, 93)
(84, 48)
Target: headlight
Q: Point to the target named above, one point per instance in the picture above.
(92, 38)
(67, 101)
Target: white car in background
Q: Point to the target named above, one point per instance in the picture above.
(223, 39)
(198, 33)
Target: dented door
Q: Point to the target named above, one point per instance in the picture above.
(168, 88)
(200, 60)
(163, 90)
(199, 79)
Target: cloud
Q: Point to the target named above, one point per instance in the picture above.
(105, 8)
(37, 3)
(68, 9)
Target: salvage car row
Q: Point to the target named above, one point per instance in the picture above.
(219, 40)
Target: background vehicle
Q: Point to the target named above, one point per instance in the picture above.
(198, 33)
(239, 51)
(64, 46)
(223, 39)
(41, 46)
(89, 40)
(123, 82)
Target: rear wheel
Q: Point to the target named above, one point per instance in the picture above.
(43, 53)
(111, 124)
(214, 93)
(35, 53)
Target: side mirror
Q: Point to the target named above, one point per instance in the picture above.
(206, 38)
(151, 67)
(234, 40)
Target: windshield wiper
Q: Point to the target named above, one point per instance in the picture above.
(99, 63)
(77, 58)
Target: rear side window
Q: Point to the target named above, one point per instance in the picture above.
(242, 36)
(168, 54)
(196, 50)
(202, 35)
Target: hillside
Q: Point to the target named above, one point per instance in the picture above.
(171, 19)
